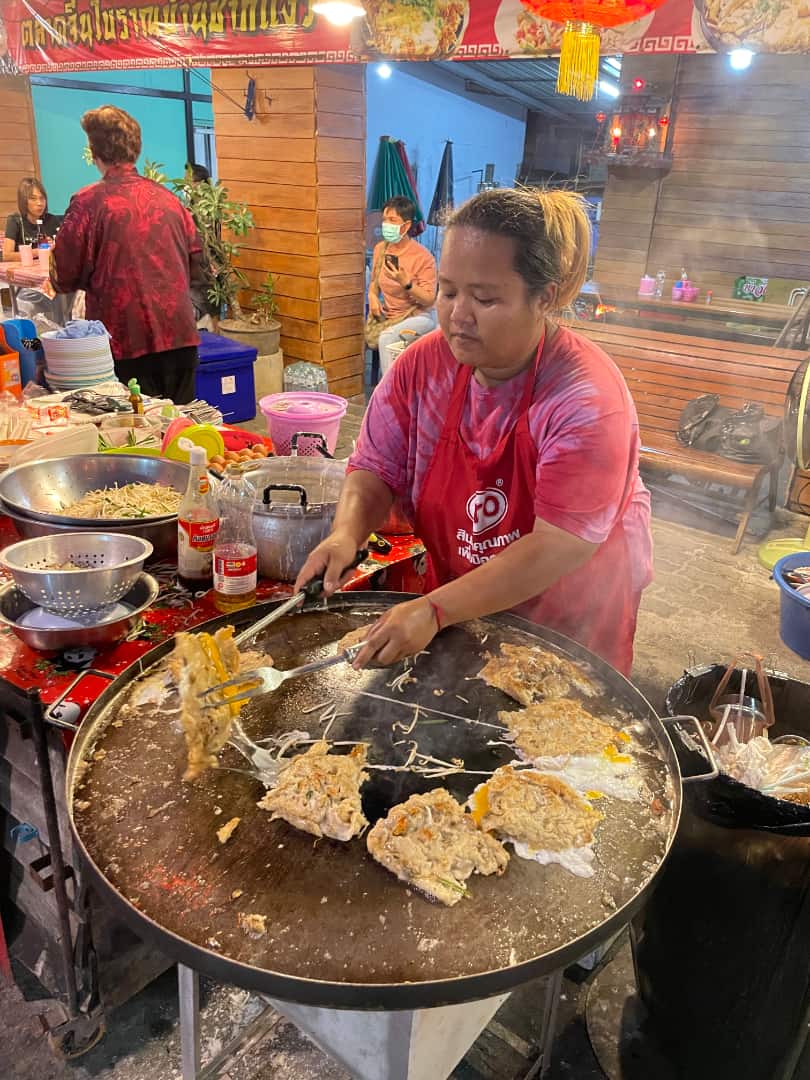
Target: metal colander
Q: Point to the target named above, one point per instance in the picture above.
(76, 574)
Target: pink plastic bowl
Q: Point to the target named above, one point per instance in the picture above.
(317, 413)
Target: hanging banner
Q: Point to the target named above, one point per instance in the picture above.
(83, 35)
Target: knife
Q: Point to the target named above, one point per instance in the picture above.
(313, 590)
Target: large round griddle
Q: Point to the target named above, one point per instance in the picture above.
(341, 930)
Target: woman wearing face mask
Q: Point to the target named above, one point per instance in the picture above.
(24, 227)
(511, 442)
(402, 293)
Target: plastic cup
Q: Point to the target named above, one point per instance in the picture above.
(26, 255)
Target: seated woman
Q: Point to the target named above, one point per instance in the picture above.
(402, 292)
(22, 227)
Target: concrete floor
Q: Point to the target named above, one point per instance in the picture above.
(704, 606)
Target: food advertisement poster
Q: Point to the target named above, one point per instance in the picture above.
(75, 35)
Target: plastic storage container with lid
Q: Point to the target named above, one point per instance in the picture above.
(225, 377)
(318, 414)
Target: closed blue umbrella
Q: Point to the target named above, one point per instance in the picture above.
(443, 201)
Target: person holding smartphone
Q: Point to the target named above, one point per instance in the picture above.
(402, 293)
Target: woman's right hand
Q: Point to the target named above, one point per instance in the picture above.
(331, 558)
(374, 307)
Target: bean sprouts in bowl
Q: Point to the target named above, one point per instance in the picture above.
(111, 489)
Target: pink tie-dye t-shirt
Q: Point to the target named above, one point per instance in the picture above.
(582, 419)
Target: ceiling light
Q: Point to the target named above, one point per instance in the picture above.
(338, 12)
(639, 84)
(740, 59)
(385, 71)
(609, 88)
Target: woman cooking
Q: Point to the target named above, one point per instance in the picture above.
(402, 293)
(511, 442)
(32, 220)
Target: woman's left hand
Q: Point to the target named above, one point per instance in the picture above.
(400, 274)
(403, 631)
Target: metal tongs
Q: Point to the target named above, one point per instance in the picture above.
(263, 680)
(312, 591)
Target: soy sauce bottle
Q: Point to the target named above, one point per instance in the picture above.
(197, 527)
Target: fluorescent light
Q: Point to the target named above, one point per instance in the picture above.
(385, 71)
(740, 59)
(338, 12)
(609, 88)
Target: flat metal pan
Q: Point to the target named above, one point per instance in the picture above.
(341, 931)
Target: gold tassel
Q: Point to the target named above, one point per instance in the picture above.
(579, 61)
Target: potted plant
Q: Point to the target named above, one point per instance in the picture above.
(261, 329)
(219, 220)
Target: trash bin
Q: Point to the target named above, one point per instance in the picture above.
(722, 948)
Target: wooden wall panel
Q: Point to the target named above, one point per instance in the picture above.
(630, 198)
(234, 81)
(737, 198)
(300, 166)
(18, 140)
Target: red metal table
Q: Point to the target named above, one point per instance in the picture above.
(86, 672)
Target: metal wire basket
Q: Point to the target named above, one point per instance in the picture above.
(76, 573)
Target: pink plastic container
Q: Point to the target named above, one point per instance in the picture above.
(317, 413)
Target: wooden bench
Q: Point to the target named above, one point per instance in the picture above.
(664, 371)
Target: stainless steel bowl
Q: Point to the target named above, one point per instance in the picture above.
(100, 569)
(14, 604)
(161, 534)
(39, 489)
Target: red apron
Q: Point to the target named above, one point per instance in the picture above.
(471, 508)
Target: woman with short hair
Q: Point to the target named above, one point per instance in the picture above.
(402, 293)
(511, 442)
(133, 247)
(31, 222)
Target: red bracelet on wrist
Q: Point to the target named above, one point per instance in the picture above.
(438, 614)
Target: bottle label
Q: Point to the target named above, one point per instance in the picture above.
(199, 535)
(234, 576)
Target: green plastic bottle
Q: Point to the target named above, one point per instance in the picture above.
(135, 399)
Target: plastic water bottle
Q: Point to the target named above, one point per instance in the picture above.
(235, 556)
(660, 278)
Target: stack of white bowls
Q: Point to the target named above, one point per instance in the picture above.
(74, 363)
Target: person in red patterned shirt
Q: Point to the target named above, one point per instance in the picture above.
(133, 247)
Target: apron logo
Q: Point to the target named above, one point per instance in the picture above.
(486, 509)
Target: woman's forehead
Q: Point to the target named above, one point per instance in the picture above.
(473, 255)
(390, 214)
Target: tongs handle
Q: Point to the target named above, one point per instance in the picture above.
(313, 590)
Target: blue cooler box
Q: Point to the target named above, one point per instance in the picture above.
(225, 377)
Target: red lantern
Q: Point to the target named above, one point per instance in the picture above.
(579, 55)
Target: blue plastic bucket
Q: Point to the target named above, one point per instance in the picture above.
(794, 615)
